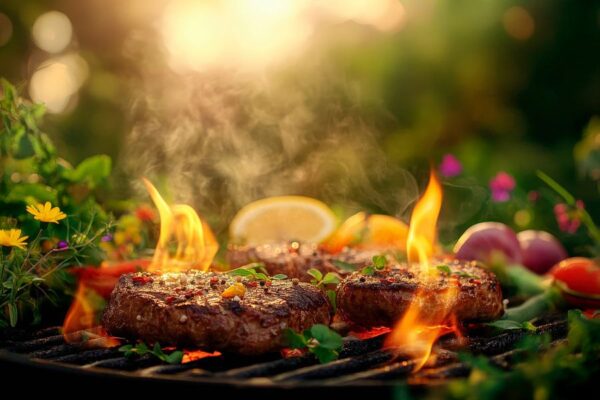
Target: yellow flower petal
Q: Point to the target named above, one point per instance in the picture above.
(46, 213)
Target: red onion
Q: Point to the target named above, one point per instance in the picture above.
(484, 240)
(540, 250)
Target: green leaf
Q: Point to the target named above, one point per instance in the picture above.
(379, 262)
(92, 171)
(125, 348)
(24, 147)
(13, 314)
(31, 193)
(279, 277)
(332, 296)
(326, 337)
(367, 271)
(506, 324)
(242, 272)
(294, 340)
(344, 265)
(331, 278)
(315, 273)
(444, 268)
(324, 355)
(261, 276)
(175, 357)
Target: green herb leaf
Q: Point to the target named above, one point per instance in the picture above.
(379, 262)
(332, 296)
(294, 340)
(367, 270)
(326, 337)
(331, 278)
(323, 342)
(242, 272)
(344, 265)
(279, 277)
(445, 269)
(506, 324)
(315, 273)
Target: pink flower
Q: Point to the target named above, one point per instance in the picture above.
(501, 186)
(450, 166)
(568, 218)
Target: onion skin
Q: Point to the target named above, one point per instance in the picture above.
(484, 240)
(540, 250)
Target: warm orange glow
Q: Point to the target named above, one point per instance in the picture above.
(364, 231)
(195, 355)
(80, 324)
(196, 245)
(422, 324)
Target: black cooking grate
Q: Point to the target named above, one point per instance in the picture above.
(361, 363)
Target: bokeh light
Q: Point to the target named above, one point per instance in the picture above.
(250, 34)
(518, 23)
(6, 29)
(52, 31)
(57, 80)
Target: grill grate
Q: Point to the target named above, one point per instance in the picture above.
(360, 363)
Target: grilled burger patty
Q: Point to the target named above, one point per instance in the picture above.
(294, 259)
(188, 309)
(382, 298)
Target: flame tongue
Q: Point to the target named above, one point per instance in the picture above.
(430, 311)
(196, 244)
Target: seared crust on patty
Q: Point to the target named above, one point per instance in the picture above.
(382, 298)
(188, 309)
(294, 259)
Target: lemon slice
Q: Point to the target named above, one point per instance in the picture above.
(283, 218)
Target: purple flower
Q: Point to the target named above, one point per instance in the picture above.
(62, 245)
(106, 238)
(450, 166)
(501, 186)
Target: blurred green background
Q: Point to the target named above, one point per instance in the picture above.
(503, 85)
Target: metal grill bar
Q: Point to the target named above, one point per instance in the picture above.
(360, 362)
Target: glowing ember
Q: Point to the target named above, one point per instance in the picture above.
(196, 244)
(416, 332)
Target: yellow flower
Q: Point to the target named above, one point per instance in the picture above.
(46, 213)
(12, 238)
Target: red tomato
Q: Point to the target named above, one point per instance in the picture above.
(580, 280)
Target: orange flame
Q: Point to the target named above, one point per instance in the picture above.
(429, 313)
(81, 326)
(196, 244)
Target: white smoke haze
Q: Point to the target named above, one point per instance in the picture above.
(222, 139)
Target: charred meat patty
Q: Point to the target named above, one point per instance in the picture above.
(212, 311)
(294, 259)
(382, 298)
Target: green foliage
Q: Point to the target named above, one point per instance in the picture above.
(33, 276)
(379, 263)
(255, 271)
(320, 340)
(141, 349)
(32, 172)
(543, 371)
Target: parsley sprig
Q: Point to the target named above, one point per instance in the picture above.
(379, 263)
(256, 271)
(141, 349)
(322, 281)
(461, 274)
(323, 342)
